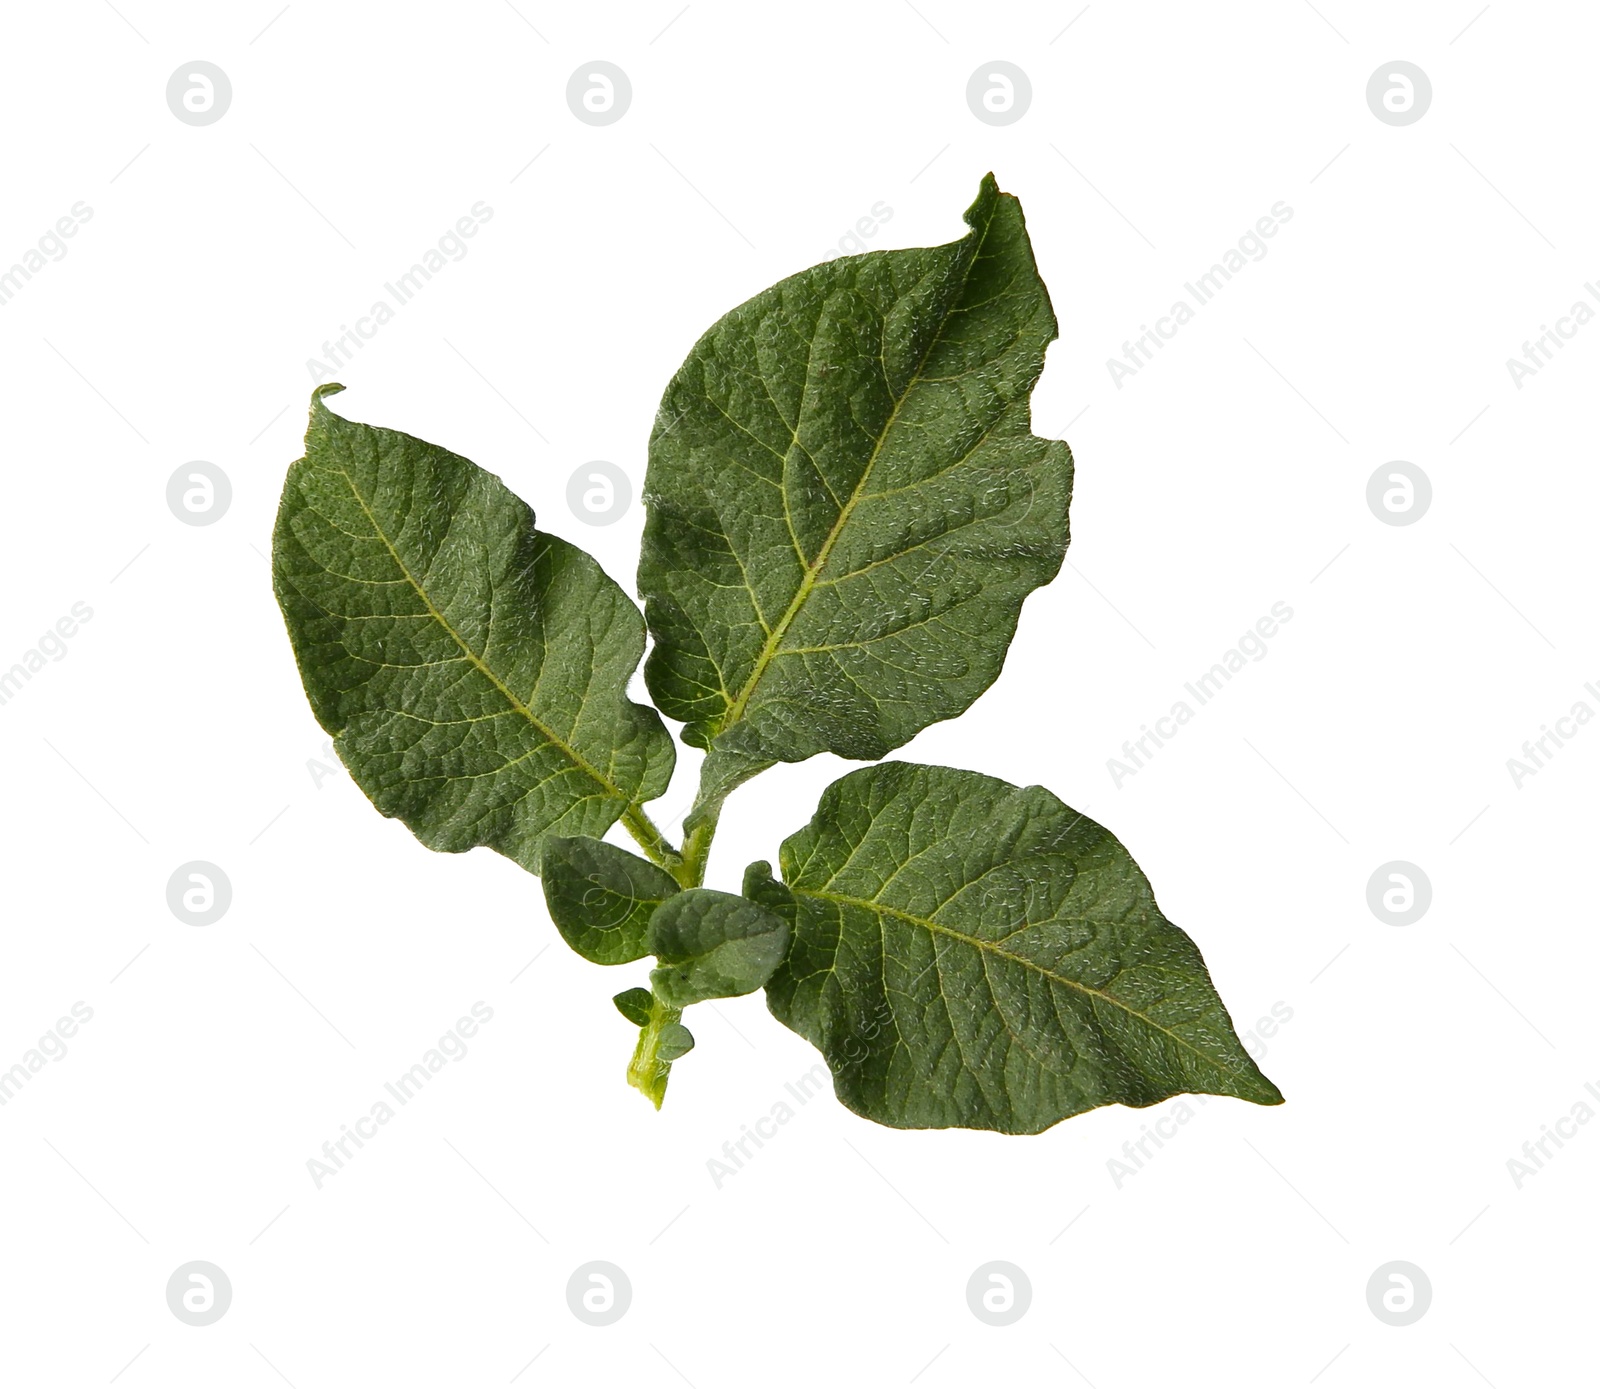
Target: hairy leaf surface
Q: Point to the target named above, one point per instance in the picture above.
(471, 669)
(601, 897)
(846, 504)
(713, 945)
(968, 953)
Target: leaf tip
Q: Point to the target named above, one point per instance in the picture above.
(1250, 1083)
(983, 206)
(1269, 1093)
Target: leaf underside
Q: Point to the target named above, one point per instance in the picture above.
(968, 953)
(471, 669)
(846, 504)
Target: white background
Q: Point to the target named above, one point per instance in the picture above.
(1228, 474)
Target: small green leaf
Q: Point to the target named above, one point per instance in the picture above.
(713, 945)
(845, 503)
(676, 1040)
(968, 953)
(601, 897)
(634, 1005)
(471, 670)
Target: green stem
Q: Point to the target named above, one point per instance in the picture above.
(656, 846)
(647, 1071)
(696, 851)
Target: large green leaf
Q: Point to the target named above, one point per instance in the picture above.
(968, 953)
(471, 669)
(846, 504)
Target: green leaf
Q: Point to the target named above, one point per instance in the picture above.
(471, 669)
(846, 505)
(634, 1005)
(713, 945)
(601, 897)
(968, 953)
(676, 1040)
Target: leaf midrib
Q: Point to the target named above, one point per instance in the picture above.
(549, 734)
(989, 947)
(770, 648)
